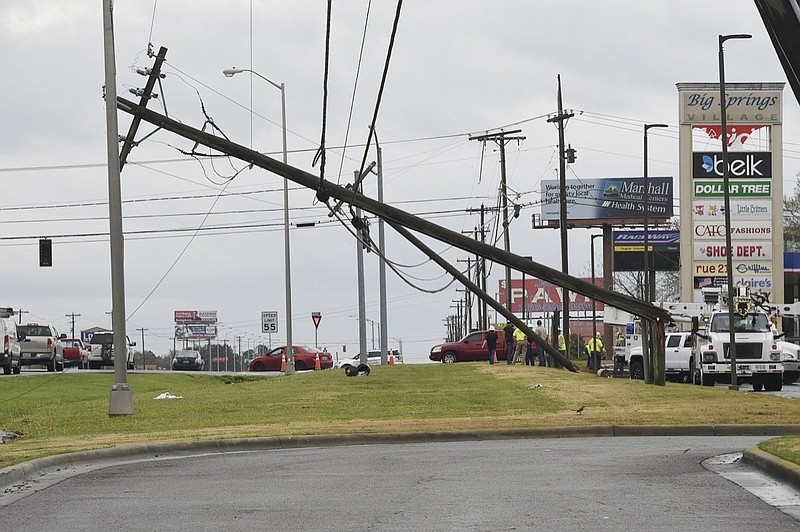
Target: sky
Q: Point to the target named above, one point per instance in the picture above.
(198, 238)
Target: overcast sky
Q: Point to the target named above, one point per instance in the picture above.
(459, 67)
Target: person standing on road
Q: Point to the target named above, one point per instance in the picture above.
(619, 356)
(508, 335)
(491, 343)
(541, 332)
(520, 345)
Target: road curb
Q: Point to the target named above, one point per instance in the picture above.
(25, 470)
(778, 468)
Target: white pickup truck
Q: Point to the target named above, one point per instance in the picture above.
(678, 349)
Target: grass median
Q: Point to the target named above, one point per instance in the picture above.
(58, 413)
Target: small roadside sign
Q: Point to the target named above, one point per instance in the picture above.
(269, 321)
(316, 317)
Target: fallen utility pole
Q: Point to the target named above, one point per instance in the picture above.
(394, 215)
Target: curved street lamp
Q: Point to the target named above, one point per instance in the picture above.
(229, 72)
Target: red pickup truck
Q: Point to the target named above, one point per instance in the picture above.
(469, 348)
(75, 353)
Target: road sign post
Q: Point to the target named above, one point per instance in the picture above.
(316, 317)
(269, 322)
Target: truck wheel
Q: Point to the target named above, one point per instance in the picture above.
(708, 380)
(51, 366)
(775, 384)
(59, 365)
(790, 377)
(16, 369)
(637, 370)
(7, 369)
(758, 386)
(449, 358)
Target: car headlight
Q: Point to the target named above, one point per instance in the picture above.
(709, 357)
(775, 356)
(436, 349)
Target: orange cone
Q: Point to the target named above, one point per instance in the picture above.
(391, 360)
(283, 363)
(316, 362)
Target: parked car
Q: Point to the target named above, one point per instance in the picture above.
(469, 348)
(678, 358)
(102, 350)
(304, 357)
(10, 356)
(41, 345)
(373, 359)
(188, 359)
(76, 353)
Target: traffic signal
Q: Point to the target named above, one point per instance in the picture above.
(570, 151)
(45, 252)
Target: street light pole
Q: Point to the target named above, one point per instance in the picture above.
(727, 200)
(229, 72)
(594, 304)
(649, 374)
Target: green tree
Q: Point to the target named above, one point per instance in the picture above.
(791, 219)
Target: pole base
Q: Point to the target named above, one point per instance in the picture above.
(733, 387)
(120, 400)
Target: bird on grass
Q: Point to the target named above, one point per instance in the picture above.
(580, 409)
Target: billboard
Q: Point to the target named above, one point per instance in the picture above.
(664, 249)
(543, 296)
(608, 198)
(195, 332)
(204, 316)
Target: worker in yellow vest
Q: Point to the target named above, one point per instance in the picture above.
(595, 348)
(562, 347)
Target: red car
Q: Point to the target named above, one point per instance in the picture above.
(76, 353)
(304, 358)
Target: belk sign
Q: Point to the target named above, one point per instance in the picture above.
(753, 164)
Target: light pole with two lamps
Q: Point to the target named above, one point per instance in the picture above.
(229, 72)
(727, 201)
(649, 374)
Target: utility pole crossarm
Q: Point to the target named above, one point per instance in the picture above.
(390, 213)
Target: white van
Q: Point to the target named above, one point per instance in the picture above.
(10, 354)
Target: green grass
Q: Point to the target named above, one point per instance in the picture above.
(67, 412)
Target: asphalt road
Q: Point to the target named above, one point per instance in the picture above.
(620, 484)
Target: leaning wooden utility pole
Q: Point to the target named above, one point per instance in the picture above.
(120, 401)
(501, 139)
(562, 220)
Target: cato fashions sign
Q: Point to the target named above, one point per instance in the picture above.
(739, 230)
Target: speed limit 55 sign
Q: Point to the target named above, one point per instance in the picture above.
(269, 321)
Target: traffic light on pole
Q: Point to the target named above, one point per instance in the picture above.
(45, 252)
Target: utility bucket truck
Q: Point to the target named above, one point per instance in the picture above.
(758, 355)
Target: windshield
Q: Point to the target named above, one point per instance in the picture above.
(748, 323)
(102, 338)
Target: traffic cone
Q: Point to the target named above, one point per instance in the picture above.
(316, 362)
(391, 359)
(283, 363)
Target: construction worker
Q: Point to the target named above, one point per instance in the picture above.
(562, 347)
(594, 347)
